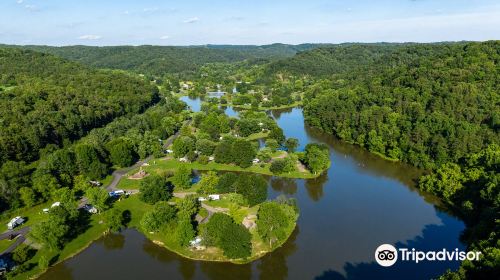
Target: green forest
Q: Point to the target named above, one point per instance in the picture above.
(159, 60)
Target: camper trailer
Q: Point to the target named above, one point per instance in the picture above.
(15, 222)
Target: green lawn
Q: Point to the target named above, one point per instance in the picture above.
(32, 215)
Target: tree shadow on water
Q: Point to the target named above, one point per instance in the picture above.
(433, 238)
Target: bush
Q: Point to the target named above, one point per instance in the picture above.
(203, 159)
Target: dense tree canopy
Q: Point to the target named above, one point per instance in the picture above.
(52, 101)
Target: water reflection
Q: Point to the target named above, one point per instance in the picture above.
(315, 186)
(284, 185)
(274, 265)
(113, 241)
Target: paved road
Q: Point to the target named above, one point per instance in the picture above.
(21, 237)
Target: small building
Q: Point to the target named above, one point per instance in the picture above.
(15, 222)
(214, 197)
(183, 159)
(211, 158)
(168, 151)
(255, 160)
(201, 199)
(55, 204)
(45, 210)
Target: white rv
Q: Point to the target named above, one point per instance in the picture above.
(15, 222)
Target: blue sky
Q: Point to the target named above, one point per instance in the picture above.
(126, 22)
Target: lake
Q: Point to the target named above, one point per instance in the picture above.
(362, 201)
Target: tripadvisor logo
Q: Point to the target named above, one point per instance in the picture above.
(387, 255)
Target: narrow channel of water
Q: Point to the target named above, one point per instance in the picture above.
(362, 201)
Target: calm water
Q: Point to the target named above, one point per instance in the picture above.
(361, 202)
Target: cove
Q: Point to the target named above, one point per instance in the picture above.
(362, 201)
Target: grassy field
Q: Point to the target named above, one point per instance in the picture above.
(32, 215)
(167, 164)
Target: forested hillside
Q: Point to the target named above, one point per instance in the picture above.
(333, 60)
(423, 104)
(46, 100)
(161, 60)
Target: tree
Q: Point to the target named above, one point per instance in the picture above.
(205, 147)
(121, 152)
(89, 162)
(234, 239)
(243, 153)
(223, 151)
(66, 196)
(155, 188)
(208, 183)
(183, 145)
(277, 134)
(188, 206)
(98, 197)
(272, 144)
(226, 183)
(114, 219)
(182, 178)
(316, 157)
(28, 196)
(49, 234)
(273, 221)
(252, 187)
(184, 232)
(159, 216)
(291, 144)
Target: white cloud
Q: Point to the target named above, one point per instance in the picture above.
(150, 10)
(20, 1)
(30, 7)
(90, 37)
(164, 37)
(192, 20)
